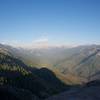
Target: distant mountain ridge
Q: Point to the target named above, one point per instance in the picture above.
(81, 61)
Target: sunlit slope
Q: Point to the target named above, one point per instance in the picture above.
(85, 63)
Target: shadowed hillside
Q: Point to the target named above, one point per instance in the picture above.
(15, 75)
(89, 91)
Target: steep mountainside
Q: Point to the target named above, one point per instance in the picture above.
(16, 76)
(84, 63)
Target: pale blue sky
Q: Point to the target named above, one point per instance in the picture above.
(53, 21)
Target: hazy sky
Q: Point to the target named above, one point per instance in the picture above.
(53, 21)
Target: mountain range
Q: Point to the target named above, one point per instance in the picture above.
(54, 73)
